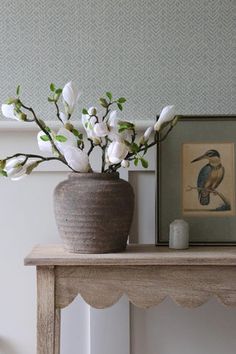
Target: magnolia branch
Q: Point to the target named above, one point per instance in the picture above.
(41, 158)
(33, 156)
(107, 110)
(131, 155)
(43, 128)
(58, 112)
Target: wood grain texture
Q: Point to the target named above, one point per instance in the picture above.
(46, 312)
(145, 274)
(58, 331)
(145, 286)
(134, 255)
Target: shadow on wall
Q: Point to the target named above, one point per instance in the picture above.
(6, 347)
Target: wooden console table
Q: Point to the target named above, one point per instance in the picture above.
(145, 273)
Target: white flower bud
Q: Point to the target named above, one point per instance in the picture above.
(167, 114)
(92, 111)
(117, 151)
(8, 111)
(70, 95)
(101, 129)
(146, 136)
(125, 163)
(77, 159)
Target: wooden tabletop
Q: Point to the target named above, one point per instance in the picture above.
(55, 254)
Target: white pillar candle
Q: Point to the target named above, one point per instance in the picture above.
(179, 235)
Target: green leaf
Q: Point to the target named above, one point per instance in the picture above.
(61, 138)
(3, 173)
(48, 129)
(77, 133)
(144, 162)
(50, 99)
(52, 87)
(109, 95)
(121, 100)
(84, 111)
(103, 102)
(123, 125)
(136, 161)
(134, 147)
(120, 130)
(44, 138)
(18, 90)
(120, 106)
(58, 91)
(126, 124)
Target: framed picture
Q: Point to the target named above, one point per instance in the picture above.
(196, 180)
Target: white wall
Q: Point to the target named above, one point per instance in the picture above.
(168, 328)
(26, 218)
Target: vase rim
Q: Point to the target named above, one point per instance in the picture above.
(94, 175)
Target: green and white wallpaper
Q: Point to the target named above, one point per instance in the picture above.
(154, 52)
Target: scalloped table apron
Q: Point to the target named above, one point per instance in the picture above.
(145, 273)
(93, 212)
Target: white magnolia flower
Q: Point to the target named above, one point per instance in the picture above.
(70, 95)
(25, 170)
(113, 119)
(113, 126)
(92, 111)
(88, 124)
(77, 159)
(71, 139)
(64, 117)
(146, 135)
(13, 166)
(44, 146)
(21, 174)
(125, 163)
(116, 152)
(8, 111)
(167, 114)
(101, 129)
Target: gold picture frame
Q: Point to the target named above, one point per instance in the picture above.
(196, 180)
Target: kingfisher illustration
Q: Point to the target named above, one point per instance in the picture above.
(210, 175)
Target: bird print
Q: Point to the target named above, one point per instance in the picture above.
(210, 175)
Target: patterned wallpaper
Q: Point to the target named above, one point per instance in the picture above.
(154, 52)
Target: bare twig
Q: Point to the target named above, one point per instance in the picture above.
(42, 127)
(91, 146)
(214, 191)
(34, 156)
(58, 112)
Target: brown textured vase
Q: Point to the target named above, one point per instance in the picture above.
(94, 212)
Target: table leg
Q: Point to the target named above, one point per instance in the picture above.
(47, 315)
(57, 331)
